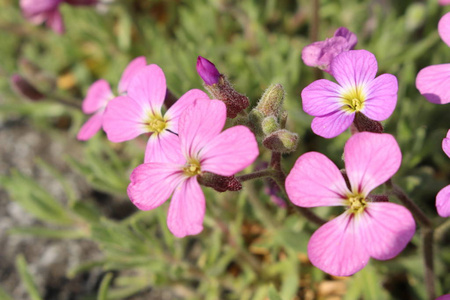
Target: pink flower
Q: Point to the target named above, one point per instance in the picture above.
(443, 197)
(139, 112)
(47, 11)
(98, 96)
(320, 54)
(366, 229)
(358, 91)
(447, 296)
(433, 81)
(202, 148)
(444, 2)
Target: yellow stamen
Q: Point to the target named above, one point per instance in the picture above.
(356, 203)
(353, 100)
(155, 123)
(192, 168)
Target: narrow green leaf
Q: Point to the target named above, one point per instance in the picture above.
(104, 286)
(26, 278)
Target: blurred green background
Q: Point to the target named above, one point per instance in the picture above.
(75, 192)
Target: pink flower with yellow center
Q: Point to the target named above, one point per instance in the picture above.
(202, 147)
(433, 81)
(366, 229)
(140, 111)
(334, 105)
(443, 197)
(100, 93)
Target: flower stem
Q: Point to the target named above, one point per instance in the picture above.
(426, 237)
(256, 175)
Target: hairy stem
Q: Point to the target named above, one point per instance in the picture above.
(256, 175)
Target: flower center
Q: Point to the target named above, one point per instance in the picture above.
(155, 123)
(353, 100)
(356, 203)
(192, 168)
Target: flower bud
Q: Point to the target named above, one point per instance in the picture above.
(25, 88)
(220, 88)
(363, 123)
(256, 118)
(207, 71)
(271, 101)
(220, 183)
(269, 125)
(282, 141)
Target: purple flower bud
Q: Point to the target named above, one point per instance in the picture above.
(26, 89)
(207, 71)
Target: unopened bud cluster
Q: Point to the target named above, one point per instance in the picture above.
(268, 118)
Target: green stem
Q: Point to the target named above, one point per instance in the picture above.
(427, 232)
(441, 230)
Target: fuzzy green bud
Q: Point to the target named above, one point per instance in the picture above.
(269, 125)
(282, 141)
(271, 101)
(255, 117)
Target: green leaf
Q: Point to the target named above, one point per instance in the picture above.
(49, 233)
(26, 278)
(104, 286)
(273, 294)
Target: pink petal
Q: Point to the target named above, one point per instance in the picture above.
(320, 54)
(133, 67)
(444, 28)
(315, 181)
(91, 127)
(332, 125)
(153, 183)
(123, 119)
(97, 96)
(433, 82)
(175, 111)
(351, 38)
(31, 8)
(354, 68)
(337, 248)
(199, 124)
(443, 202)
(381, 97)
(370, 160)
(446, 144)
(148, 87)
(229, 152)
(444, 2)
(187, 209)
(164, 147)
(55, 21)
(444, 297)
(321, 98)
(385, 229)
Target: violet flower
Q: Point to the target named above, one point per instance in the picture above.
(358, 91)
(366, 229)
(321, 54)
(201, 147)
(433, 81)
(140, 111)
(98, 96)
